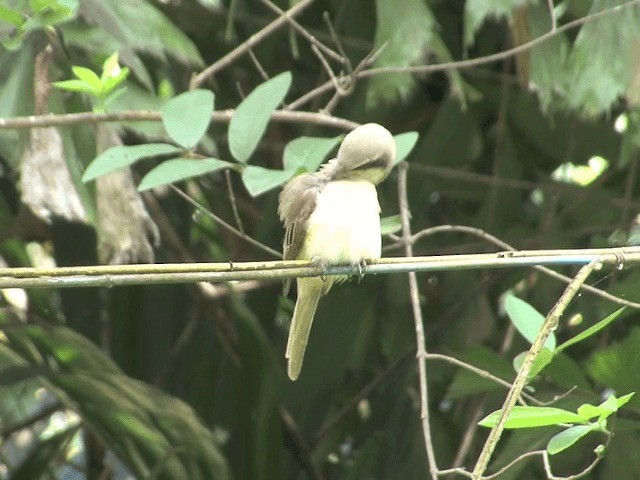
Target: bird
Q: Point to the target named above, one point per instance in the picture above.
(332, 217)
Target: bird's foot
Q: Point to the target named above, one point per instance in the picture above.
(360, 264)
(322, 264)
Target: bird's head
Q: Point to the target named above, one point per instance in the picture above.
(367, 153)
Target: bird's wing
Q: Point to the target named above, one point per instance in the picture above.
(298, 200)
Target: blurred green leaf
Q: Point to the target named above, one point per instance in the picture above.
(148, 430)
(404, 144)
(123, 156)
(10, 15)
(405, 30)
(605, 409)
(476, 12)
(174, 170)
(251, 117)
(390, 224)
(308, 152)
(591, 330)
(567, 438)
(529, 417)
(77, 86)
(43, 457)
(88, 76)
(618, 365)
(544, 358)
(605, 45)
(258, 180)
(187, 116)
(527, 320)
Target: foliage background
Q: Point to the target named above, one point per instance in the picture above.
(185, 382)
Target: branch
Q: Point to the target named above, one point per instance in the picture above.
(223, 116)
(549, 325)
(117, 275)
(244, 47)
(417, 317)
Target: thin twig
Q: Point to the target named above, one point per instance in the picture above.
(226, 225)
(547, 271)
(338, 57)
(253, 40)
(417, 317)
(234, 206)
(462, 64)
(256, 62)
(549, 325)
(552, 14)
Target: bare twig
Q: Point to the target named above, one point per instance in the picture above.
(226, 225)
(547, 271)
(223, 116)
(338, 57)
(417, 316)
(549, 325)
(253, 40)
(263, 73)
(462, 64)
(552, 14)
(234, 206)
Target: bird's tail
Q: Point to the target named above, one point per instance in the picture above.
(309, 292)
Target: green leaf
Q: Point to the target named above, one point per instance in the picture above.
(476, 12)
(568, 437)
(605, 409)
(308, 152)
(618, 365)
(602, 46)
(406, 31)
(529, 417)
(88, 76)
(390, 224)
(544, 358)
(111, 83)
(123, 156)
(258, 180)
(187, 116)
(177, 169)
(591, 330)
(250, 119)
(527, 320)
(10, 15)
(77, 86)
(404, 144)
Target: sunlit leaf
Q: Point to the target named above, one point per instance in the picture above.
(308, 152)
(529, 417)
(187, 116)
(251, 117)
(544, 358)
(404, 144)
(177, 169)
(258, 180)
(123, 156)
(88, 76)
(591, 330)
(10, 15)
(76, 86)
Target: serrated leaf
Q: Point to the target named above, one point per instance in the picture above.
(258, 180)
(406, 29)
(591, 330)
(568, 437)
(250, 119)
(123, 156)
(405, 142)
(177, 169)
(187, 116)
(529, 417)
(602, 46)
(476, 12)
(527, 320)
(308, 152)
